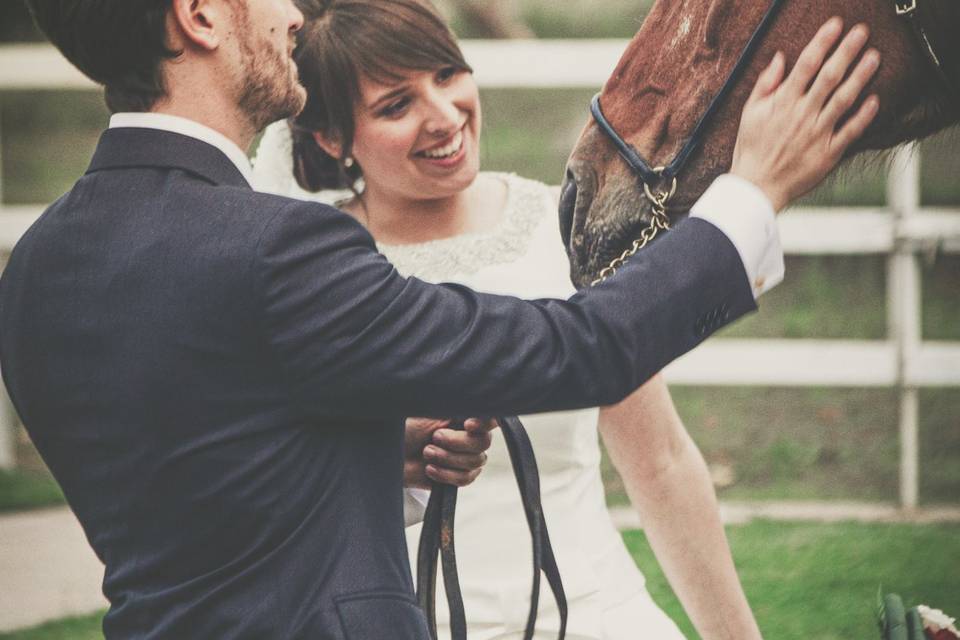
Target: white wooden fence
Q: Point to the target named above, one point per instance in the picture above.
(900, 230)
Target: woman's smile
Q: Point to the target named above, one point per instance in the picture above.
(447, 154)
(441, 151)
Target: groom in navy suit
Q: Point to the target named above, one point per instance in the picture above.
(218, 378)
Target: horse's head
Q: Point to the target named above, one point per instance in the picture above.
(674, 67)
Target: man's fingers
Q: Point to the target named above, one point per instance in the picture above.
(448, 476)
(428, 423)
(812, 57)
(462, 441)
(458, 461)
(846, 96)
(835, 69)
(456, 457)
(419, 431)
(770, 78)
(475, 425)
(855, 126)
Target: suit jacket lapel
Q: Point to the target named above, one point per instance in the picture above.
(123, 148)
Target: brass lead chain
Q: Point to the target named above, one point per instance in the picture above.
(659, 222)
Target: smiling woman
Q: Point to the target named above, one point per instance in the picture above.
(360, 43)
(417, 141)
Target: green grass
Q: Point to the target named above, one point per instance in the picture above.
(576, 19)
(941, 307)
(48, 138)
(816, 299)
(585, 18)
(804, 581)
(28, 489)
(820, 582)
(817, 444)
(79, 628)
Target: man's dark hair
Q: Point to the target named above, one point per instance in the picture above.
(117, 43)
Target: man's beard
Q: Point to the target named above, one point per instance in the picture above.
(269, 91)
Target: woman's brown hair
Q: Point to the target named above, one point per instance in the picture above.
(342, 41)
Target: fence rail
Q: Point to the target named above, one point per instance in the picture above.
(902, 230)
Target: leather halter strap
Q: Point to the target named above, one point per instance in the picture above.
(437, 539)
(914, 11)
(632, 157)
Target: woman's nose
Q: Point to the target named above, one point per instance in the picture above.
(443, 117)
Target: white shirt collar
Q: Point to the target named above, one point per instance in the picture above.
(186, 127)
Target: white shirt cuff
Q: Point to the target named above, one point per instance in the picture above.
(414, 505)
(745, 215)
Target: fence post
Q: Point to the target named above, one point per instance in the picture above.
(8, 419)
(904, 313)
(8, 423)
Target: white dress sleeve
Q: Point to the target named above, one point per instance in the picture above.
(273, 162)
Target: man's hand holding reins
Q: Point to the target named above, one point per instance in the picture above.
(435, 452)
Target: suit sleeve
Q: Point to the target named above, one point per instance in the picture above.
(355, 338)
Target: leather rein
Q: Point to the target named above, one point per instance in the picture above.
(916, 13)
(437, 542)
(660, 182)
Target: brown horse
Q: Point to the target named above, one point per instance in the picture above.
(677, 63)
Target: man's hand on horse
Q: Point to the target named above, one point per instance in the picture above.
(435, 452)
(794, 131)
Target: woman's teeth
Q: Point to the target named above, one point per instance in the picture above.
(447, 151)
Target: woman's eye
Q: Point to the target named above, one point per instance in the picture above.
(395, 108)
(446, 74)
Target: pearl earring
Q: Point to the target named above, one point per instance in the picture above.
(348, 162)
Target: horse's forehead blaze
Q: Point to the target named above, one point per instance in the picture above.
(683, 31)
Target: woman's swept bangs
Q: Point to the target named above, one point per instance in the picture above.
(387, 38)
(399, 42)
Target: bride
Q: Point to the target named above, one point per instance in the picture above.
(392, 127)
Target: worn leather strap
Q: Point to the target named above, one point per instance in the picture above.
(437, 541)
(917, 13)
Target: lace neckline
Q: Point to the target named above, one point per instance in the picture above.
(468, 253)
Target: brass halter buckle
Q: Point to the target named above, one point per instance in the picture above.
(658, 222)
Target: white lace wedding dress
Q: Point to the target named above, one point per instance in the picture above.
(522, 256)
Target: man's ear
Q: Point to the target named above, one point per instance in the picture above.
(201, 23)
(329, 144)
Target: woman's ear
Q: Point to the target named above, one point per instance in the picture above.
(201, 23)
(329, 144)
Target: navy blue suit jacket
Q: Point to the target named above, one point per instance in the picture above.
(218, 379)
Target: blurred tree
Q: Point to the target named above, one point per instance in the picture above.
(16, 25)
(491, 18)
